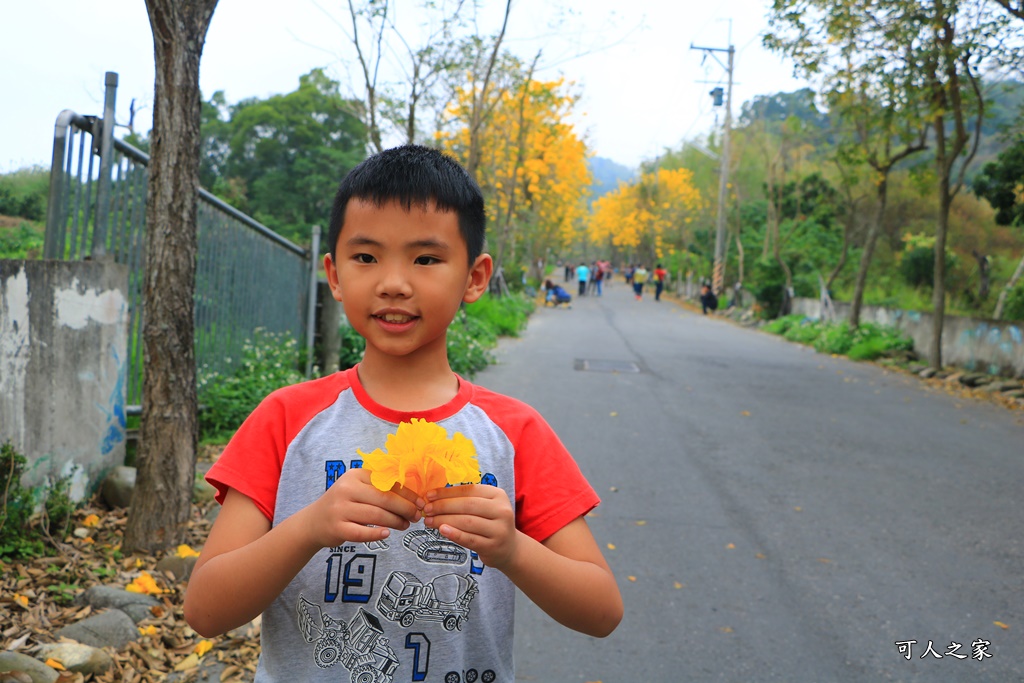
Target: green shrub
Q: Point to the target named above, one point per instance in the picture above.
(469, 344)
(804, 333)
(24, 193)
(59, 507)
(16, 507)
(1013, 309)
(837, 339)
(22, 242)
(781, 325)
(867, 342)
(506, 315)
(269, 361)
(869, 349)
(770, 287)
(352, 347)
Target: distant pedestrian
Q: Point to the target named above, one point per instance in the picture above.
(639, 278)
(583, 275)
(660, 276)
(598, 277)
(708, 300)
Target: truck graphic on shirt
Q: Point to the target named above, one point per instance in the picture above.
(446, 599)
(360, 645)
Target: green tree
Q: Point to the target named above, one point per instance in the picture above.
(929, 53)
(280, 159)
(1001, 182)
(873, 95)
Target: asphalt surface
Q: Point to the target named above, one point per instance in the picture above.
(771, 513)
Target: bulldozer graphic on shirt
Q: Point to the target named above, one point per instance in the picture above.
(360, 645)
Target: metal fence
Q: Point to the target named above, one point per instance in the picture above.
(247, 276)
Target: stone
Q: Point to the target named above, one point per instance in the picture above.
(37, 671)
(179, 567)
(15, 677)
(1004, 385)
(76, 657)
(118, 486)
(927, 373)
(976, 379)
(138, 606)
(112, 628)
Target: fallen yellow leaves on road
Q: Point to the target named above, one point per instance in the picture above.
(611, 546)
(1001, 625)
(202, 647)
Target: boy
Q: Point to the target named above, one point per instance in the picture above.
(303, 536)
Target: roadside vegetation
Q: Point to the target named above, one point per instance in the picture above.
(868, 341)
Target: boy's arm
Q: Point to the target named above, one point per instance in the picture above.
(566, 575)
(246, 563)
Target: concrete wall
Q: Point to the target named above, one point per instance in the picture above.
(63, 362)
(979, 345)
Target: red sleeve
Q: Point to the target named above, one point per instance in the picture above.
(551, 491)
(252, 461)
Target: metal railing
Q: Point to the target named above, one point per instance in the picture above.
(247, 276)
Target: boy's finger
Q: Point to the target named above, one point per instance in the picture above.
(409, 495)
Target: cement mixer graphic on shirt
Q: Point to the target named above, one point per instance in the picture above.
(446, 599)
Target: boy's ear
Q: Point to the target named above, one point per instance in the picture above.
(479, 277)
(332, 277)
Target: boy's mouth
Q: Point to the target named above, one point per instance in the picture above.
(395, 318)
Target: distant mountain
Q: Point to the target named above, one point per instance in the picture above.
(607, 175)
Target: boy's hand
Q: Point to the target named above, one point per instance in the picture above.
(475, 516)
(353, 510)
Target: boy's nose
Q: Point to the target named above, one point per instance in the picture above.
(394, 282)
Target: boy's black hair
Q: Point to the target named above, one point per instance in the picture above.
(414, 175)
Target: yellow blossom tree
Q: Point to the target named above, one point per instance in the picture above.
(648, 216)
(532, 165)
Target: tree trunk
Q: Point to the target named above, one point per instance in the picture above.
(868, 253)
(939, 289)
(161, 503)
(998, 315)
(480, 99)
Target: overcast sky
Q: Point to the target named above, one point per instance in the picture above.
(643, 87)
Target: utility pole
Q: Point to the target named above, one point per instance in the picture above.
(718, 277)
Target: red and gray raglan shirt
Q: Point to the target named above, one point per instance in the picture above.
(415, 607)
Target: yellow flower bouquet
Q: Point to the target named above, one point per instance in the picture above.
(421, 457)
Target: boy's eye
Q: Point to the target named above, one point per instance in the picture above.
(363, 258)
(427, 260)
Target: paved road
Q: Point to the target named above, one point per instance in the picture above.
(776, 514)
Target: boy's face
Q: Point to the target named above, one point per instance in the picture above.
(401, 276)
